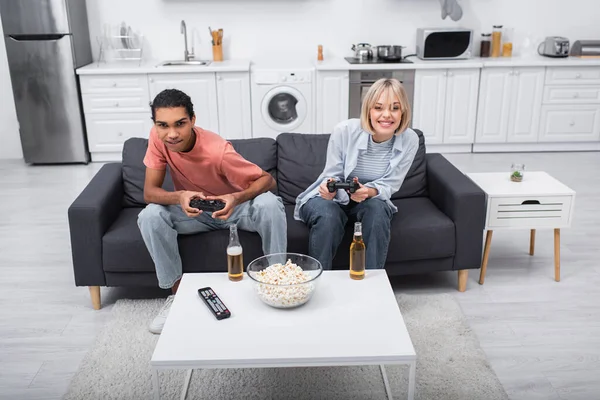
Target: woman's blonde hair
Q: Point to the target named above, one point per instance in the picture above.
(395, 88)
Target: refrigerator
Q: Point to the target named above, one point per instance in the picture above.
(46, 40)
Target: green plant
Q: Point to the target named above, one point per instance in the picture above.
(517, 174)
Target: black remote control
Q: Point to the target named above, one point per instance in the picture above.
(207, 205)
(214, 303)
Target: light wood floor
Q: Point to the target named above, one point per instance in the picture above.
(541, 337)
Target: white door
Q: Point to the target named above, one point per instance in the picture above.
(202, 89)
(233, 93)
(494, 105)
(462, 91)
(525, 104)
(332, 100)
(429, 103)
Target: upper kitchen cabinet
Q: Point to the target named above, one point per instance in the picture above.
(233, 94)
(201, 87)
(332, 99)
(445, 105)
(510, 101)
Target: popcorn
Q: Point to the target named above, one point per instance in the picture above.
(284, 296)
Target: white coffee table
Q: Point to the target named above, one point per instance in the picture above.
(539, 201)
(325, 331)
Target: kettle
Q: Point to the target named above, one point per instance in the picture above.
(554, 46)
(362, 51)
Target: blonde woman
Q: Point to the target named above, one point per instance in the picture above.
(377, 151)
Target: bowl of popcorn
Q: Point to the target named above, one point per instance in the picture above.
(284, 280)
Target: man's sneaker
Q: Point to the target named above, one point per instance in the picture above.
(156, 326)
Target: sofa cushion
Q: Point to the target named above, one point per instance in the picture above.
(123, 249)
(261, 151)
(301, 158)
(415, 183)
(134, 173)
(419, 231)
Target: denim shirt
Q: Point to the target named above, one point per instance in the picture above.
(345, 143)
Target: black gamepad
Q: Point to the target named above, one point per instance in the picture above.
(207, 205)
(350, 185)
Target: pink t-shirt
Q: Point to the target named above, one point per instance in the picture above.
(212, 167)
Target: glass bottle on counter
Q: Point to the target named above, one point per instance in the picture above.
(496, 40)
(486, 45)
(235, 256)
(358, 254)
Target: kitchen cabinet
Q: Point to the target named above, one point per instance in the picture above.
(108, 132)
(116, 108)
(233, 94)
(332, 100)
(509, 107)
(445, 105)
(202, 89)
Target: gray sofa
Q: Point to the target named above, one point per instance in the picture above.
(438, 227)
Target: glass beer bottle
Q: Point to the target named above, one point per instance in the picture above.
(358, 252)
(235, 256)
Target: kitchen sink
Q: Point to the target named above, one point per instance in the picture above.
(183, 63)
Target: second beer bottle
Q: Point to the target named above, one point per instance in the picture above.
(358, 254)
(235, 256)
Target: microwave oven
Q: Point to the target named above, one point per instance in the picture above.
(444, 43)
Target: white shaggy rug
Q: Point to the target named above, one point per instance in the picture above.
(450, 363)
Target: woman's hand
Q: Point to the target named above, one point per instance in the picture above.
(361, 193)
(324, 192)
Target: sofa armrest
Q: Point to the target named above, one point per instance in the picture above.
(90, 216)
(464, 203)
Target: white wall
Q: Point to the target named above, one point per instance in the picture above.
(292, 29)
(258, 29)
(10, 141)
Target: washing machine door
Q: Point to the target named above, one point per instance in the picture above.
(284, 109)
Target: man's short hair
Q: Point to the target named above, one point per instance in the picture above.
(172, 98)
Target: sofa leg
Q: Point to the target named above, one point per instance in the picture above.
(95, 294)
(463, 274)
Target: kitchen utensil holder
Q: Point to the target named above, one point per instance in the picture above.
(217, 52)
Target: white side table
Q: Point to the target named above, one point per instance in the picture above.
(539, 201)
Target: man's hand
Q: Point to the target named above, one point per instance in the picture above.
(324, 192)
(184, 201)
(361, 193)
(230, 201)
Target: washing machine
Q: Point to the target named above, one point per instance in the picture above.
(282, 100)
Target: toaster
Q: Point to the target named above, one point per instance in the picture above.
(554, 46)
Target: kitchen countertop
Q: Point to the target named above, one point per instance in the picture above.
(151, 67)
(339, 63)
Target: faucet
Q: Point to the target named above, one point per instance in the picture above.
(186, 54)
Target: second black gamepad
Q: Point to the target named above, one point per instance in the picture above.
(207, 205)
(349, 185)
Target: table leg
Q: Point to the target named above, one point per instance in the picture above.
(557, 255)
(486, 254)
(186, 384)
(411, 380)
(532, 242)
(388, 390)
(156, 384)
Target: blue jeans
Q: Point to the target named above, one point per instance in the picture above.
(160, 226)
(326, 221)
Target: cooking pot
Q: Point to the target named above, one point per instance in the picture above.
(389, 53)
(362, 51)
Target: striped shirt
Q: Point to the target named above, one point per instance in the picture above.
(372, 164)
